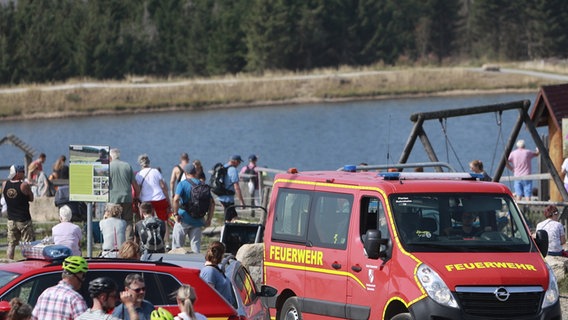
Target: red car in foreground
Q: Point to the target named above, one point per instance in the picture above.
(27, 279)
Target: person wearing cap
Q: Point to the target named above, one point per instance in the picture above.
(153, 189)
(177, 172)
(63, 301)
(232, 183)
(185, 223)
(249, 174)
(519, 162)
(104, 292)
(18, 195)
(123, 188)
(66, 233)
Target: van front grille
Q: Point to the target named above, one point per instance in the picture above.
(487, 305)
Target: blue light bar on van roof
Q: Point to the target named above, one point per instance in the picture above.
(350, 168)
(430, 175)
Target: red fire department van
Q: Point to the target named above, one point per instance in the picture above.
(368, 245)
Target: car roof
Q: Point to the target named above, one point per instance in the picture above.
(186, 260)
(211, 303)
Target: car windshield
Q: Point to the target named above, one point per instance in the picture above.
(6, 277)
(459, 222)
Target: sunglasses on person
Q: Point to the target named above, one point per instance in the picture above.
(138, 290)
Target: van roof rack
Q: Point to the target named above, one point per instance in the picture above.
(430, 175)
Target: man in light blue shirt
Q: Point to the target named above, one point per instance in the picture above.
(185, 223)
(232, 183)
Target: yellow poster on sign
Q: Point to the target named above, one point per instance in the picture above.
(89, 173)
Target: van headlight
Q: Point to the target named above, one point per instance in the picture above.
(551, 295)
(435, 286)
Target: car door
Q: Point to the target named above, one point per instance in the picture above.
(368, 282)
(247, 298)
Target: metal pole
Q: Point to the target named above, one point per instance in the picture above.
(90, 229)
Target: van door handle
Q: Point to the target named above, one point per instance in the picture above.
(336, 265)
(356, 268)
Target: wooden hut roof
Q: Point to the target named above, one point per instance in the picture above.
(551, 101)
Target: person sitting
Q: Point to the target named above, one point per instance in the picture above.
(66, 233)
(555, 230)
(467, 229)
(113, 229)
(129, 250)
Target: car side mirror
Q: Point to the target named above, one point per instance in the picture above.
(541, 240)
(267, 291)
(372, 243)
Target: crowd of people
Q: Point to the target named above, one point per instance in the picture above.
(125, 234)
(138, 200)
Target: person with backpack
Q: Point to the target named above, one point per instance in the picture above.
(193, 207)
(250, 176)
(150, 231)
(231, 183)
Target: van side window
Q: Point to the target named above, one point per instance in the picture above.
(373, 216)
(291, 215)
(329, 221)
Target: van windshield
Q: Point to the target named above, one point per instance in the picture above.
(459, 222)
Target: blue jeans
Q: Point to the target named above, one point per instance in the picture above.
(523, 188)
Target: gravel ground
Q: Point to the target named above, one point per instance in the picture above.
(564, 305)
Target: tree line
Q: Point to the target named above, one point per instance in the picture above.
(54, 40)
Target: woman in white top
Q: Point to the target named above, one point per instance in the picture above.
(555, 230)
(67, 233)
(153, 189)
(113, 229)
(186, 297)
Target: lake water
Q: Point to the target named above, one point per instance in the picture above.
(308, 137)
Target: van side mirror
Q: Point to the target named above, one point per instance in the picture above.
(541, 240)
(267, 291)
(372, 243)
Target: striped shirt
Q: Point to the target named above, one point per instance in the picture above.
(91, 314)
(59, 302)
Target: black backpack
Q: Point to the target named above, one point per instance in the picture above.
(251, 175)
(151, 235)
(217, 180)
(199, 200)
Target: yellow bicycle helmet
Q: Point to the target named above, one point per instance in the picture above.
(75, 264)
(161, 314)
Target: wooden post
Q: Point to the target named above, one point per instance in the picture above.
(555, 152)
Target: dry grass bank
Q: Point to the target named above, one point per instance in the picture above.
(143, 94)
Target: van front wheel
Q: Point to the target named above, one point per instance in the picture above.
(402, 316)
(290, 310)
